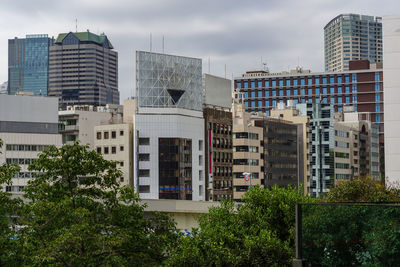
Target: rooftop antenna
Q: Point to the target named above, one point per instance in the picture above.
(76, 25)
(151, 43)
(225, 71)
(163, 43)
(209, 65)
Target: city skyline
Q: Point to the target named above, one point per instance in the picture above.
(225, 32)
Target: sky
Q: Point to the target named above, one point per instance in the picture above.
(236, 36)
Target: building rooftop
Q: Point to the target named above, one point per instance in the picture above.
(85, 37)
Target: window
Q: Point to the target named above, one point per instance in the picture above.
(106, 150)
(267, 83)
(98, 150)
(287, 82)
(246, 104)
(98, 135)
(347, 79)
(259, 93)
(246, 84)
(280, 92)
(288, 92)
(377, 108)
(144, 157)
(332, 90)
(355, 100)
(295, 92)
(121, 148)
(200, 145)
(347, 99)
(253, 104)
(332, 80)
(238, 85)
(316, 80)
(280, 83)
(339, 79)
(377, 77)
(121, 164)
(253, 94)
(274, 103)
(266, 103)
(325, 91)
(113, 134)
(121, 133)
(325, 100)
(273, 83)
(378, 118)
(295, 82)
(302, 81)
(113, 150)
(339, 90)
(354, 88)
(106, 135)
(144, 173)
(324, 80)
(316, 91)
(259, 84)
(266, 93)
(377, 97)
(143, 141)
(259, 103)
(309, 91)
(273, 92)
(144, 188)
(317, 100)
(303, 91)
(246, 94)
(377, 87)
(309, 81)
(253, 84)
(339, 100)
(354, 78)
(347, 89)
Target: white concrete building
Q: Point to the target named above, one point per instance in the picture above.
(391, 83)
(28, 125)
(169, 128)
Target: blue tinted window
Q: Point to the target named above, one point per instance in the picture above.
(288, 92)
(354, 99)
(303, 91)
(316, 80)
(273, 92)
(332, 90)
(339, 90)
(246, 84)
(246, 94)
(355, 108)
(316, 91)
(339, 100)
(324, 80)
(339, 109)
(253, 104)
(259, 84)
(339, 79)
(325, 91)
(238, 85)
(310, 100)
(296, 101)
(280, 100)
(354, 88)
(268, 113)
(295, 92)
(331, 80)
(347, 89)
(377, 98)
(253, 84)
(246, 104)
(267, 103)
(287, 82)
(295, 82)
(317, 100)
(377, 108)
(378, 118)
(309, 81)
(273, 83)
(266, 83)
(302, 81)
(239, 96)
(347, 99)
(280, 83)
(280, 92)
(377, 87)
(347, 78)
(303, 100)
(354, 78)
(309, 91)
(259, 103)
(259, 93)
(274, 103)
(266, 93)
(377, 77)
(332, 100)
(253, 94)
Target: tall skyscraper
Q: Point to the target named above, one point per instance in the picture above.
(352, 37)
(28, 64)
(83, 70)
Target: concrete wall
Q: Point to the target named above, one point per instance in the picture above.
(391, 81)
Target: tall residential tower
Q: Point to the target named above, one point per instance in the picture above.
(352, 37)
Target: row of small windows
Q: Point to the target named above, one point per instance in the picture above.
(26, 147)
(14, 188)
(222, 157)
(301, 81)
(302, 91)
(106, 134)
(19, 161)
(25, 175)
(341, 133)
(222, 185)
(220, 128)
(219, 171)
(325, 100)
(106, 150)
(222, 142)
(245, 135)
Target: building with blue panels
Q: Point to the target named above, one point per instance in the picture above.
(28, 64)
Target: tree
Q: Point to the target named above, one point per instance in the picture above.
(258, 232)
(77, 214)
(9, 245)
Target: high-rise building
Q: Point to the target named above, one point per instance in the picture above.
(391, 37)
(352, 37)
(83, 70)
(169, 127)
(3, 88)
(28, 64)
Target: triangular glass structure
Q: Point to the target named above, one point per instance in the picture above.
(175, 94)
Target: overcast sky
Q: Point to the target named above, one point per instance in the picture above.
(235, 33)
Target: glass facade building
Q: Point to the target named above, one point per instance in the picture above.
(28, 64)
(352, 37)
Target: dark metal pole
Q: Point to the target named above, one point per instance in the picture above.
(320, 158)
(298, 232)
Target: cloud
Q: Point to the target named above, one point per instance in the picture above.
(232, 33)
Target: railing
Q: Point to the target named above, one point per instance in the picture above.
(347, 234)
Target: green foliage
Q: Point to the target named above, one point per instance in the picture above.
(77, 214)
(259, 232)
(362, 190)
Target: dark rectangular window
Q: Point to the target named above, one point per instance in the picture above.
(106, 135)
(121, 133)
(144, 173)
(98, 134)
(106, 150)
(144, 141)
(113, 150)
(99, 150)
(144, 188)
(144, 157)
(113, 134)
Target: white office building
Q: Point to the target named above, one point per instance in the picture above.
(391, 83)
(169, 127)
(28, 125)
